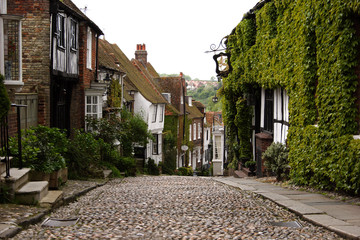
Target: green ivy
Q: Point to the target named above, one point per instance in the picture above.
(309, 48)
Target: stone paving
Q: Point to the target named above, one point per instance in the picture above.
(173, 207)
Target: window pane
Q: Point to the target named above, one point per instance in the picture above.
(88, 109)
(95, 99)
(94, 108)
(88, 99)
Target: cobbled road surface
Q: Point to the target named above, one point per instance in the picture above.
(173, 207)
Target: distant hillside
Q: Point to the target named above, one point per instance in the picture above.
(204, 92)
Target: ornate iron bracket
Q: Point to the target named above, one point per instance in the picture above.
(222, 59)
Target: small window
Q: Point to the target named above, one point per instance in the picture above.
(73, 35)
(60, 31)
(194, 131)
(190, 136)
(161, 113)
(199, 131)
(93, 106)
(155, 144)
(89, 48)
(269, 111)
(154, 113)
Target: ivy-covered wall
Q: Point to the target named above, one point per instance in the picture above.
(311, 49)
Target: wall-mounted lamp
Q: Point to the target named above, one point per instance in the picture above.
(215, 99)
(107, 78)
(132, 92)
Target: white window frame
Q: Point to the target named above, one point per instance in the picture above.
(153, 119)
(190, 136)
(161, 113)
(89, 49)
(194, 131)
(199, 131)
(89, 106)
(17, 83)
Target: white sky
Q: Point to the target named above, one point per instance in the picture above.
(176, 33)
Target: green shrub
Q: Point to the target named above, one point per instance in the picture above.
(127, 165)
(151, 167)
(185, 171)
(83, 156)
(276, 159)
(43, 148)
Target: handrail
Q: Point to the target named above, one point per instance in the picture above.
(18, 106)
(4, 143)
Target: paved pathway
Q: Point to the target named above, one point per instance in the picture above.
(337, 216)
(173, 207)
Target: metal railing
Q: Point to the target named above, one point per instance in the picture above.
(4, 144)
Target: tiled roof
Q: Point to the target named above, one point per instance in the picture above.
(198, 104)
(142, 84)
(193, 112)
(171, 85)
(106, 60)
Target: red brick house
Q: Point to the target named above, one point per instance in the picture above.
(57, 51)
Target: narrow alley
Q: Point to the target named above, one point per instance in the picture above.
(173, 207)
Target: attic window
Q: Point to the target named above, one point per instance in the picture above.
(167, 96)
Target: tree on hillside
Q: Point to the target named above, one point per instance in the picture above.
(187, 77)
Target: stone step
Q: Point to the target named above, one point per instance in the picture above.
(32, 192)
(18, 177)
(51, 199)
(3, 164)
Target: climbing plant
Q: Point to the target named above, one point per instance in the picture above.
(309, 48)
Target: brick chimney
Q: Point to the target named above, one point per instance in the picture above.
(141, 53)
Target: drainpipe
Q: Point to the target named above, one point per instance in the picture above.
(96, 59)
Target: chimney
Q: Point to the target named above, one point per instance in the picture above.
(141, 53)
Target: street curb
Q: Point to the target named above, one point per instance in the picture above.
(339, 230)
(23, 224)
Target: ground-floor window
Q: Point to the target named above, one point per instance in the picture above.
(155, 144)
(28, 114)
(93, 106)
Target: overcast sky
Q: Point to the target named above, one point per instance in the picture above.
(176, 33)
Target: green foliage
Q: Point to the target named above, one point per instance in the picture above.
(43, 148)
(185, 171)
(4, 98)
(83, 156)
(127, 165)
(128, 129)
(151, 167)
(114, 98)
(276, 159)
(309, 48)
(204, 94)
(170, 144)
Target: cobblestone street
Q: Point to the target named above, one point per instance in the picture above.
(173, 207)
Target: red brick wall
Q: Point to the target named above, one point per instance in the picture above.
(263, 141)
(35, 53)
(86, 76)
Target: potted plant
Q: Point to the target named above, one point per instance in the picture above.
(42, 151)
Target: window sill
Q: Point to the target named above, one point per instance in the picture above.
(11, 84)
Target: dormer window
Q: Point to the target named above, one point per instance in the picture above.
(60, 30)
